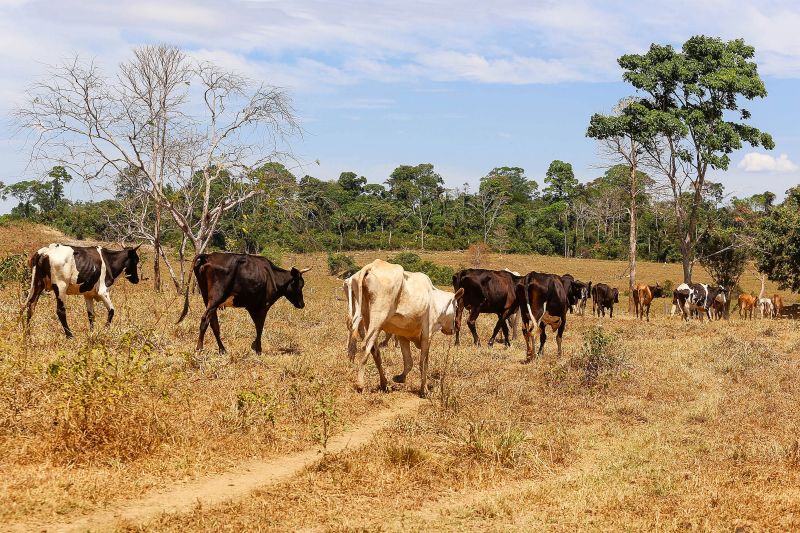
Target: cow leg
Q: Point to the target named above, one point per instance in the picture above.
(424, 348)
(259, 316)
(376, 356)
(408, 362)
(473, 317)
(459, 314)
(528, 331)
(501, 324)
(611, 312)
(90, 311)
(61, 311)
(37, 286)
(560, 333)
(214, 321)
(106, 299)
(370, 339)
(542, 338)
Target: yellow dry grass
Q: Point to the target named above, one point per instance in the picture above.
(691, 426)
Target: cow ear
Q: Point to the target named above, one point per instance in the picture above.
(459, 293)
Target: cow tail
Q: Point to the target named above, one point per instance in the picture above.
(195, 264)
(32, 263)
(354, 303)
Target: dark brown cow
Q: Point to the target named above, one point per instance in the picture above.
(241, 280)
(604, 297)
(578, 294)
(486, 291)
(543, 301)
(86, 270)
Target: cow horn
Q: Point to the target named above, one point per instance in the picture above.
(137, 246)
(304, 270)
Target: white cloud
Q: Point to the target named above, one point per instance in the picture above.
(758, 162)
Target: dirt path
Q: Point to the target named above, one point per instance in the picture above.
(211, 490)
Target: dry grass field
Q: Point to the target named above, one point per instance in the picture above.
(640, 426)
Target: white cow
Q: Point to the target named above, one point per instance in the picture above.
(766, 307)
(384, 297)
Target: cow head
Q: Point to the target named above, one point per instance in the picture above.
(615, 294)
(447, 317)
(657, 291)
(132, 265)
(294, 291)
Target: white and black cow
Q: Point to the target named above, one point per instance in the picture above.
(697, 297)
(86, 270)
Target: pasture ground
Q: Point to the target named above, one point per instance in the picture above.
(640, 426)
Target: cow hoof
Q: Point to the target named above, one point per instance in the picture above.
(423, 394)
(399, 378)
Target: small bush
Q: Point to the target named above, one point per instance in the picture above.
(411, 262)
(600, 361)
(503, 445)
(14, 271)
(478, 254)
(106, 403)
(254, 408)
(342, 265)
(405, 455)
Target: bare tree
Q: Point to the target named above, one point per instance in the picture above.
(192, 131)
(488, 205)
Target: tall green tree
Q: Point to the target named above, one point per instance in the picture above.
(778, 242)
(692, 98)
(419, 187)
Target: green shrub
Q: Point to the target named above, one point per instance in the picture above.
(342, 265)
(411, 262)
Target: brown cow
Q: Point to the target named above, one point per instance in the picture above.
(643, 296)
(777, 301)
(746, 304)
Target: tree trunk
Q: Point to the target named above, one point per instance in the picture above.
(686, 259)
(632, 239)
(157, 249)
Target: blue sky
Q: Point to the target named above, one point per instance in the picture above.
(466, 87)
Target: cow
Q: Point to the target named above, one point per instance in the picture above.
(486, 291)
(604, 297)
(578, 294)
(241, 280)
(643, 296)
(766, 307)
(698, 297)
(746, 304)
(86, 270)
(543, 300)
(777, 303)
(384, 297)
(680, 299)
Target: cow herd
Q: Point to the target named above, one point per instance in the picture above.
(381, 297)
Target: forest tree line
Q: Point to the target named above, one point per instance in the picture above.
(194, 156)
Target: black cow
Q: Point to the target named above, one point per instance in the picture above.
(604, 297)
(241, 280)
(542, 298)
(486, 291)
(578, 294)
(86, 270)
